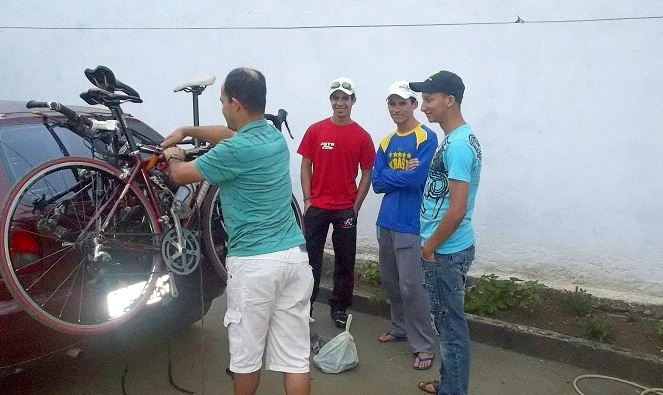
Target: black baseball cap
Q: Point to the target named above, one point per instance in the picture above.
(443, 81)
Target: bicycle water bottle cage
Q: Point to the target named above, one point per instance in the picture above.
(103, 78)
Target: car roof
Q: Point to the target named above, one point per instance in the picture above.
(16, 109)
(15, 112)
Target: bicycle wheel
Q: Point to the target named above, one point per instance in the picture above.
(297, 212)
(79, 252)
(215, 238)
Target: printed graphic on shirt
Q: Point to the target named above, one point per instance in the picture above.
(398, 160)
(474, 142)
(437, 183)
(327, 145)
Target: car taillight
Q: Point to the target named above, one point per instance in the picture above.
(25, 246)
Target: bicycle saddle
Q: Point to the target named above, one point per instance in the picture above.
(101, 96)
(103, 78)
(200, 82)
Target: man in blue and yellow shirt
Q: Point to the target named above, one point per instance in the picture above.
(400, 169)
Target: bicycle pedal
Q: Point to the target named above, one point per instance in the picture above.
(173, 287)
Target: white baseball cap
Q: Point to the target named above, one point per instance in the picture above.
(402, 89)
(342, 84)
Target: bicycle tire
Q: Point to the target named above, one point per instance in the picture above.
(215, 238)
(50, 240)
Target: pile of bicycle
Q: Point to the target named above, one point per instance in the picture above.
(113, 232)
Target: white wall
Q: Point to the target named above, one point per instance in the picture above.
(568, 114)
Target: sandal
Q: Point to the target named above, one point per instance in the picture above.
(431, 387)
(419, 359)
(391, 337)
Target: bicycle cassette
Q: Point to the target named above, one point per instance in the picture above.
(182, 259)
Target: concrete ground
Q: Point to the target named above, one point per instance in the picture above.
(137, 363)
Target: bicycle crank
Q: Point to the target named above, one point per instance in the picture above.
(181, 258)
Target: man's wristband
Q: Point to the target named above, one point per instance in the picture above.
(174, 156)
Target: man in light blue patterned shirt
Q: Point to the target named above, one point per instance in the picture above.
(446, 231)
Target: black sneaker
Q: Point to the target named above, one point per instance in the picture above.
(339, 317)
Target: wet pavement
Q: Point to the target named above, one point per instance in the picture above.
(137, 362)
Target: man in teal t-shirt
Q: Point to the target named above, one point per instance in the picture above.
(269, 278)
(255, 189)
(447, 237)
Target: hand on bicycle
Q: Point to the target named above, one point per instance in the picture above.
(174, 137)
(211, 134)
(174, 153)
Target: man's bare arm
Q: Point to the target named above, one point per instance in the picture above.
(209, 133)
(362, 189)
(306, 177)
(179, 171)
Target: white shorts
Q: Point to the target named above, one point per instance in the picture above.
(268, 311)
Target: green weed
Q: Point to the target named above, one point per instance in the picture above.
(596, 327)
(578, 302)
(491, 294)
(378, 297)
(658, 329)
(369, 271)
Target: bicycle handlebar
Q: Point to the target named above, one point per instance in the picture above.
(75, 123)
(281, 118)
(55, 106)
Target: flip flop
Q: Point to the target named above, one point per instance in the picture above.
(391, 337)
(426, 385)
(419, 359)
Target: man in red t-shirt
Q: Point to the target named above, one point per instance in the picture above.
(333, 150)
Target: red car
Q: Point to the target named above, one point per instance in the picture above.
(26, 141)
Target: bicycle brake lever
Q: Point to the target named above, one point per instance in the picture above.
(150, 149)
(285, 122)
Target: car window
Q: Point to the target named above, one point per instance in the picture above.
(144, 133)
(25, 146)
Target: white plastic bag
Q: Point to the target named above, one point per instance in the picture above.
(338, 354)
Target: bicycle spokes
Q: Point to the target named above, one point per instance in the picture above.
(84, 250)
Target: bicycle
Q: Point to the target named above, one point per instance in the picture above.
(107, 224)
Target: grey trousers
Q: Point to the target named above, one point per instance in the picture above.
(402, 278)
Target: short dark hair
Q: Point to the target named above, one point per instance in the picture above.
(248, 86)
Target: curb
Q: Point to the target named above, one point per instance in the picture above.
(598, 357)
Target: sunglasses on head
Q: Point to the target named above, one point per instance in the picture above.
(344, 85)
